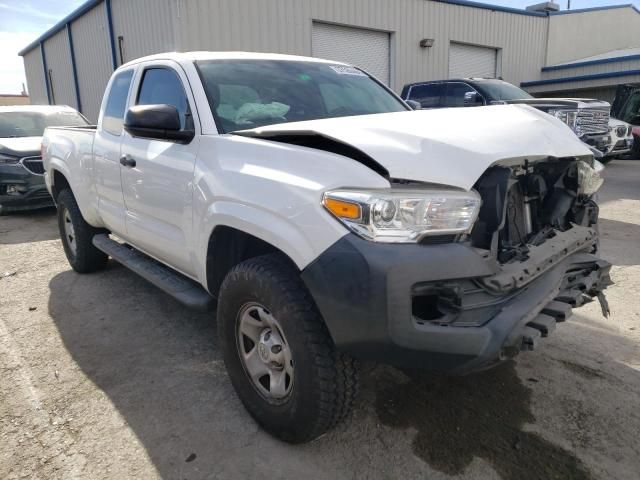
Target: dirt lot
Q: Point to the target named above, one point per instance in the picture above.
(103, 376)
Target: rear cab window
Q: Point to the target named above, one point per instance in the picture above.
(114, 110)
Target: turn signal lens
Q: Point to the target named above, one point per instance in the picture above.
(342, 209)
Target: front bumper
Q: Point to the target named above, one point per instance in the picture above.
(601, 142)
(620, 147)
(367, 295)
(29, 189)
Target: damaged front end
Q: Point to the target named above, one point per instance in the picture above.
(538, 227)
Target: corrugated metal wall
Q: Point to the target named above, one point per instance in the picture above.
(282, 26)
(285, 26)
(58, 56)
(146, 27)
(93, 58)
(580, 35)
(35, 77)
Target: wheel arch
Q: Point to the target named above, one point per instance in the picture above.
(59, 182)
(228, 246)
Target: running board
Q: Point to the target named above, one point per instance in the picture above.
(183, 289)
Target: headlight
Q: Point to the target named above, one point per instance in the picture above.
(397, 215)
(589, 179)
(8, 159)
(569, 117)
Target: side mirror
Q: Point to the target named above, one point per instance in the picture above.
(161, 122)
(413, 104)
(471, 99)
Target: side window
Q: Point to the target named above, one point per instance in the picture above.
(456, 92)
(163, 86)
(113, 116)
(427, 95)
(631, 111)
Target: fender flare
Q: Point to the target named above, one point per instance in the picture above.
(265, 225)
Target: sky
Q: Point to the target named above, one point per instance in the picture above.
(22, 21)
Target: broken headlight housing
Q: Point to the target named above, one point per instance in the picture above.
(589, 178)
(404, 216)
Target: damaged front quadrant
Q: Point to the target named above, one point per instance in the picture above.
(485, 420)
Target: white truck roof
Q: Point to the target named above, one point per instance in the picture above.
(193, 56)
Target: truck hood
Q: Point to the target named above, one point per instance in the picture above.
(20, 146)
(571, 103)
(451, 146)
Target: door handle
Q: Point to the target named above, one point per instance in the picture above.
(127, 161)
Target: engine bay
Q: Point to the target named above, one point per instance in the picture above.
(525, 205)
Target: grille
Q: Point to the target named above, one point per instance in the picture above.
(34, 165)
(592, 121)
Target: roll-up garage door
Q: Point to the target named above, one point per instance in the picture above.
(471, 61)
(367, 49)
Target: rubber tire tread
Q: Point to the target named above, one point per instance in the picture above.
(87, 258)
(334, 377)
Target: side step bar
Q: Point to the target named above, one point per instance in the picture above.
(183, 289)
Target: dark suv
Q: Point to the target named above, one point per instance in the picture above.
(588, 118)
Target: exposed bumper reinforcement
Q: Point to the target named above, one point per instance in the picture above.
(364, 292)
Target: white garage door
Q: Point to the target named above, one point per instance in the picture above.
(367, 49)
(471, 61)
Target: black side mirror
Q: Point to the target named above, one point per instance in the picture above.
(161, 122)
(413, 104)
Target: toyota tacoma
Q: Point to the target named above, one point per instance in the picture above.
(326, 221)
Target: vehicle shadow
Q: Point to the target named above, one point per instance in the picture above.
(160, 366)
(29, 226)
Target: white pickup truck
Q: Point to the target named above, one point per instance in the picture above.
(327, 221)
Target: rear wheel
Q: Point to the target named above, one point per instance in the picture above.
(76, 235)
(279, 355)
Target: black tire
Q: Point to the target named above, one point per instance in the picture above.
(606, 160)
(84, 258)
(324, 381)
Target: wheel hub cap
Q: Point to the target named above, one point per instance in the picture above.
(70, 234)
(264, 352)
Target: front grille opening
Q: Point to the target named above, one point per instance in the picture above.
(425, 308)
(33, 165)
(525, 205)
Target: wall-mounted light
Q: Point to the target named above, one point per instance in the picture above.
(426, 42)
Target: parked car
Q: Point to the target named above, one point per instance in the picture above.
(588, 118)
(621, 140)
(329, 221)
(626, 107)
(22, 184)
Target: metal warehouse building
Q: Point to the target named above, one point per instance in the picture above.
(579, 52)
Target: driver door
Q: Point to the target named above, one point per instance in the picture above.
(157, 175)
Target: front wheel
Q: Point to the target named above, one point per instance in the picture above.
(76, 235)
(279, 355)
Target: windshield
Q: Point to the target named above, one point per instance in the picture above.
(32, 124)
(246, 94)
(503, 91)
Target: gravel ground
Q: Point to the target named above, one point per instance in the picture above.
(103, 376)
